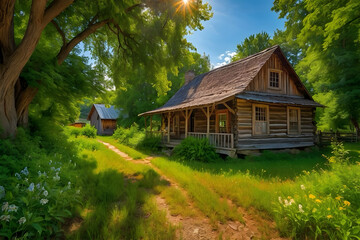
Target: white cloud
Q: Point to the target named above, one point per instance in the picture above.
(221, 56)
(226, 57)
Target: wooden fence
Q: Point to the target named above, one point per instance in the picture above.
(328, 137)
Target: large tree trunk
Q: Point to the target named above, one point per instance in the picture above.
(8, 115)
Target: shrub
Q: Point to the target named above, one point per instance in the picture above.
(324, 205)
(193, 149)
(151, 143)
(39, 186)
(89, 131)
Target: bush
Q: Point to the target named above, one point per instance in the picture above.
(324, 205)
(193, 149)
(38, 185)
(151, 143)
(89, 131)
(129, 136)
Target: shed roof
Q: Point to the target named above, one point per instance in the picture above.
(104, 112)
(222, 83)
(291, 100)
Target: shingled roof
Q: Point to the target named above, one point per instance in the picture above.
(221, 83)
(104, 112)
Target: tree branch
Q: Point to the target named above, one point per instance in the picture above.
(132, 7)
(7, 41)
(54, 9)
(60, 31)
(64, 52)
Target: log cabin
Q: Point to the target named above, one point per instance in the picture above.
(255, 103)
(103, 118)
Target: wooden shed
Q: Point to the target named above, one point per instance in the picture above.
(255, 103)
(103, 118)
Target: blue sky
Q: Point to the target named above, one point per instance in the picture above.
(233, 21)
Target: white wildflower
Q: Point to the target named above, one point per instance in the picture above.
(301, 208)
(26, 180)
(302, 187)
(280, 200)
(5, 218)
(17, 175)
(45, 193)
(13, 208)
(31, 187)
(22, 220)
(38, 186)
(5, 207)
(44, 201)
(50, 162)
(56, 178)
(25, 171)
(286, 203)
(2, 192)
(70, 161)
(291, 201)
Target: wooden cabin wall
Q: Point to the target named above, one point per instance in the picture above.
(94, 121)
(108, 124)
(278, 137)
(261, 80)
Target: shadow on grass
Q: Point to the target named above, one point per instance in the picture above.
(268, 165)
(121, 207)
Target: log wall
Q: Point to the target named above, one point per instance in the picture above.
(278, 136)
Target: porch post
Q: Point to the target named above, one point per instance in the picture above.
(186, 123)
(145, 122)
(168, 136)
(151, 124)
(208, 122)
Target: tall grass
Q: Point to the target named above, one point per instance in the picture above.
(317, 203)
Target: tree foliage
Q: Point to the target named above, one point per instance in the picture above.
(328, 34)
(134, 32)
(139, 89)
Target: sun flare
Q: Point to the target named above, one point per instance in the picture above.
(184, 6)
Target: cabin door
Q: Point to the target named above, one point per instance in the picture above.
(261, 120)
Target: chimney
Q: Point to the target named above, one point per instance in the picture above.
(189, 75)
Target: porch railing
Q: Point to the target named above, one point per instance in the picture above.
(219, 140)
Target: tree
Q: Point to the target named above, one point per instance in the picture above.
(329, 37)
(147, 96)
(252, 44)
(140, 32)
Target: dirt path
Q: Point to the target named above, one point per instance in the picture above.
(199, 226)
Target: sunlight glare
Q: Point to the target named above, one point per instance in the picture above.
(185, 1)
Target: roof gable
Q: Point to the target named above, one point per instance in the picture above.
(104, 112)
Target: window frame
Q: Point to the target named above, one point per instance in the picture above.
(288, 108)
(280, 80)
(254, 119)
(219, 112)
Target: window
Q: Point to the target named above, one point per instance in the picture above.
(222, 121)
(294, 123)
(274, 79)
(260, 119)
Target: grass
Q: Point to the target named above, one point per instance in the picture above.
(128, 150)
(256, 183)
(120, 199)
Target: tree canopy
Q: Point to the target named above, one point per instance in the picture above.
(122, 34)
